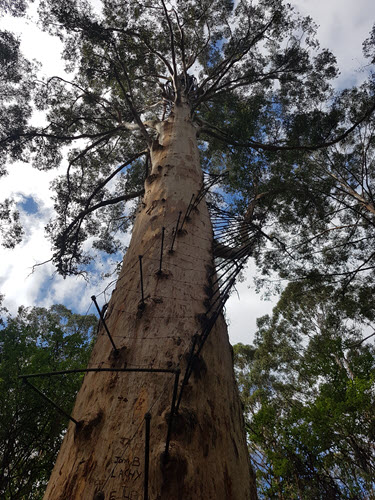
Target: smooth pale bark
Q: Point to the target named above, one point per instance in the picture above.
(208, 452)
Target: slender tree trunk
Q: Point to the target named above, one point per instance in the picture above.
(104, 457)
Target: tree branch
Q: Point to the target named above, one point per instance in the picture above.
(173, 51)
(80, 155)
(183, 57)
(111, 176)
(272, 147)
(150, 48)
(230, 61)
(132, 109)
(356, 344)
(61, 137)
(88, 93)
(101, 204)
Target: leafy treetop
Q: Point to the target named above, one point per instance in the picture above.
(255, 79)
(307, 387)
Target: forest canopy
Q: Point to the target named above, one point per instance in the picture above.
(297, 153)
(37, 340)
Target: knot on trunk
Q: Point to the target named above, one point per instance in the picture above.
(86, 427)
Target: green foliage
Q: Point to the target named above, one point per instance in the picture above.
(299, 155)
(256, 81)
(11, 231)
(16, 87)
(14, 7)
(322, 212)
(307, 385)
(31, 430)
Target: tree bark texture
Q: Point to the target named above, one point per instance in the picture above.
(104, 456)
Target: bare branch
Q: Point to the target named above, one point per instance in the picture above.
(171, 34)
(222, 69)
(83, 213)
(61, 137)
(111, 176)
(194, 57)
(86, 92)
(38, 265)
(80, 155)
(134, 112)
(356, 344)
(182, 34)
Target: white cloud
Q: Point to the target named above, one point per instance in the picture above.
(343, 27)
(42, 287)
(36, 44)
(243, 308)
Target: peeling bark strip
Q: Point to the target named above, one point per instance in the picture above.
(208, 457)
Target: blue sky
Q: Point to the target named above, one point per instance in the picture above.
(344, 25)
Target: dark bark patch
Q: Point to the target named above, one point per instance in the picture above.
(69, 488)
(184, 423)
(227, 484)
(151, 178)
(199, 367)
(201, 319)
(174, 472)
(90, 465)
(157, 300)
(152, 207)
(156, 145)
(188, 391)
(85, 428)
(235, 448)
(210, 270)
(162, 274)
(209, 427)
(72, 484)
(113, 381)
(212, 408)
(117, 359)
(141, 308)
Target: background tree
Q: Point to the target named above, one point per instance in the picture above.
(326, 222)
(307, 386)
(31, 430)
(16, 85)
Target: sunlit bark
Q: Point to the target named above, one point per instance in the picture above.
(104, 457)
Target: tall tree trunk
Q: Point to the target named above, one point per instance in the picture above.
(104, 456)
